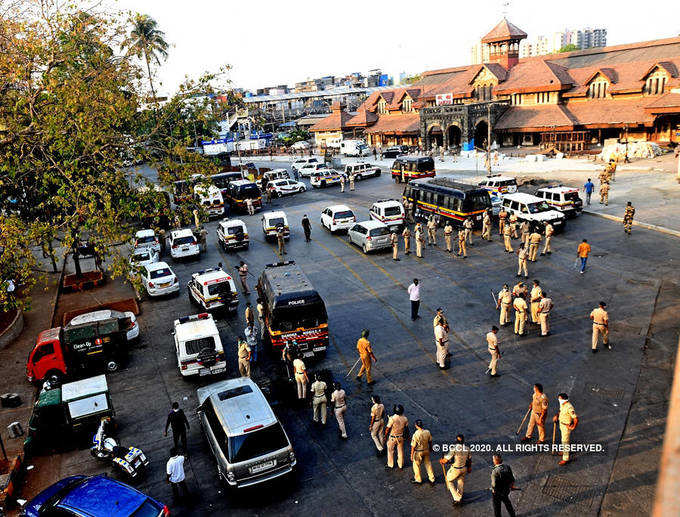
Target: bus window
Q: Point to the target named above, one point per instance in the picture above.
(408, 191)
(476, 201)
(440, 200)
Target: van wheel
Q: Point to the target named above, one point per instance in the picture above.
(54, 377)
(112, 366)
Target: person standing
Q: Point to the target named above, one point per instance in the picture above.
(486, 226)
(395, 432)
(342, 183)
(260, 317)
(628, 217)
(588, 189)
(250, 316)
(351, 182)
(568, 421)
(319, 400)
(502, 216)
(535, 299)
(492, 345)
(604, 194)
(307, 228)
(520, 306)
(174, 470)
(366, 356)
(600, 319)
(534, 243)
(420, 240)
(513, 225)
(502, 482)
(244, 355)
(406, 234)
(179, 424)
(394, 240)
(525, 232)
(461, 464)
(468, 230)
(281, 240)
(250, 206)
(539, 410)
(507, 233)
(503, 303)
(522, 256)
(441, 339)
(549, 230)
(243, 276)
(301, 379)
(462, 249)
(520, 290)
(414, 297)
(339, 408)
(431, 231)
(377, 425)
(421, 446)
(544, 308)
(448, 232)
(582, 253)
(439, 317)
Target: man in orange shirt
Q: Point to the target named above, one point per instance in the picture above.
(366, 356)
(582, 253)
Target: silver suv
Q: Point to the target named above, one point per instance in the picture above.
(370, 235)
(247, 440)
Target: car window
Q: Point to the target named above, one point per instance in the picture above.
(42, 351)
(515, 205)
(378, 232)
(392, 210)
(235, 230)
(257, 443)
(221, 288)
(524, 209)
(184, 240)
(275, 221)
(215, 426)
(148, 509)
(138, 257)
(159, 273)
(343, 214)
(571, 196)
(194, 346)
(145, 240)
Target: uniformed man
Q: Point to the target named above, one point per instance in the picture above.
(441, 340)
(535, 299)
(503, 303)
(319, 400)
(339, 401)
(351, 181)
(280, 238)
(301, 378)
(539, 411)
(520, 290)
(544, 308)
(407, 210)
(260, 316)
(507, 232)
(492, 345)
(421, 445)
(394, 240)
(420, 240)
(397, 427)
(366, 356)
(162, 239)
(250, 206)
(628, 217)
(520, 307)
(604, 175)
(525, 231)
(568, 421)
(342, 182)
(513, 225)
(549, 230)
(522, 256)
(486, 226)
(502, 216)
(377, 425)
(243, 276)
(243, 358)
(448, 236)
(197, 219)
(406, 234)
(600, 326)
(534, 243)
(431, 232)
(604, 193)
(439, 317)
(462, 250)
(461, 464)
(468, 230)
(250, 316)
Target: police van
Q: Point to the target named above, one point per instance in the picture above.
(210, 199)
(232, 234)
(499, 185)
(198, 346)
(271, 221)
(293, 310)
(213, 289)
(564, 199)
(535, 210)
(361, 170)
(390, 212)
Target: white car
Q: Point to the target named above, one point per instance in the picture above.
(499, 185)
(183, 244)
(274, 174)
(213, 289)
(132, 331)
(158, 279)
(280, 188)
(271, 221)
(232, 234)
(337, 217)
(535, 210)
(361, 170)
(143, 257)
(370, 235)
(310, 168)
(198, 346)
(388, 211)
(325, 178)
(302, 161)
(147, 239)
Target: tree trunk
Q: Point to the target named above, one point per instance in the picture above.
(148, 70)
(50, 250)
(76, 262)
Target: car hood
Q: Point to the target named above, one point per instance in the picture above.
(548, 215)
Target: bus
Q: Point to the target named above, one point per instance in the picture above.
(407, 168)
(240, 190)
(447, 200)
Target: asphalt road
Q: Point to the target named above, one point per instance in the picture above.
(338, 477)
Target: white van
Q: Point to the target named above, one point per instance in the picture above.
(361, 170)
(183, 243)
(274, 174)
(271, 222)
(303, 161)
(535, 210)
(353, 148)
(210, 199)
(198, 346)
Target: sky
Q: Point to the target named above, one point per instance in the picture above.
(271, 42)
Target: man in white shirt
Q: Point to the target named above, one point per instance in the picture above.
(414, 296)
(441, 338)
(175, 473)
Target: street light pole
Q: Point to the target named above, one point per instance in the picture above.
(488, 138)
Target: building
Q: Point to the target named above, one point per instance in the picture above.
(552, 43)
(333, 127)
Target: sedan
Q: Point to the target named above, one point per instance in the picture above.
(143, 257)
(337, 217)
(280, 188)
(370, 235)
(158, 279)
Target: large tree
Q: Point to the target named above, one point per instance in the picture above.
(147, 41)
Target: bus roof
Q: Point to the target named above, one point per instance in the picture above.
(445, 185)
(414, 159)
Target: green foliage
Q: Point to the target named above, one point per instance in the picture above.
(569, 48)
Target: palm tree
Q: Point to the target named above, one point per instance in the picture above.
(148, 42)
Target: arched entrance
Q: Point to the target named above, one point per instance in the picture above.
(436, 136)
(454, 135)
(481, 134)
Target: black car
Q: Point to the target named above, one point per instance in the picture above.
(394, 151)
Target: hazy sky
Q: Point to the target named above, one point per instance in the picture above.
(270, 42)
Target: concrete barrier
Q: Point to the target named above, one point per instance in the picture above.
(12, 332)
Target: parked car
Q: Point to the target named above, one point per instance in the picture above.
(499, 185)
(147, 239)
(564, 199)
(361, 171)
(308, 169)
(274, 174)
(394, 151)
(143, 256)
(337, 217)
(370, 235)
(198, 346)
(183, 244)
(297, 164)
(159, 279)
(389, 212)
(325, 178)
(535, 210)
(232, 234)
(280, 188)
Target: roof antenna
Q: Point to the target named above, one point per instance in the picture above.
(506, 8)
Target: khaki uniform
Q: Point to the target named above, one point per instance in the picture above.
(604, 193)
(486, 226)
(300, 378)
(462, 250)
(468, 230)
(394, 240)
(244, 359)
(243, 276)
(520, 315)
(338, 399)
(431, 232)
(492, 345)
(519, 290)
(407, 210)
(600, 326)
(535, 299)
(439, 319)
(378, 426)
(342, 183)
(534, 243)
(545, 306)
(502, 216)
(421, 443)
(628, 219)
(397, 425)
(406, 234)
(507, 232)
(364, 349)
(549, 230)
(460, 460)
(319, 401)
(566, 418)
(504, 301)
(522, 256)
(539, 407)
(420, 240)
(441, 341)
(525, 231)
(281, 241)
(448, 232)
(513, 225)
(351, 181)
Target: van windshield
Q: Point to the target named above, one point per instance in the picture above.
(194, 346)
(286, 319)
(535, 208)
(257, 443)
(220, 289)
(249, 192)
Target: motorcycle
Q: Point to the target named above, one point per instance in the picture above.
(128, 460)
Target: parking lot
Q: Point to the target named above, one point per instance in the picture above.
(633, 274)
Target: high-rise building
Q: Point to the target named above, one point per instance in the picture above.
(582, 38)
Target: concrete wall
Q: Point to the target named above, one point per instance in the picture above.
(13, 331)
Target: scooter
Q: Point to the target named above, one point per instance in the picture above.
(127, 460)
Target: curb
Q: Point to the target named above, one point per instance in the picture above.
(652, 227)
(13, 330)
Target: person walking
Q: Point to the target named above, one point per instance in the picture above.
(414, 297)
(394, 240)
(366, 356)
(421, 446)
(244, 355)
(448, 232)
(395, 432)
(492, 346)
(502, 216)
(461, 464)
(534, 243)
(628, 217)
(301, 378)
(549, 230)
(504, 303)
(250, 206)
(588, 189)
(251, 339)
(522, 256)
(568, 420)
(177, 421)
(507, 233)
(338, 399)
(604, 194)
(243, 276)
(462, 249)
(281, 241)
(513, 225)
(582, 253)
(600, 319)
(468, 225)
(502, 482)
(377, 425)
(544, 307)
(441, 339)
(406, 234)
(319, 400)
(486, 226)
(307, 228)
(174, 470)
(539, 410)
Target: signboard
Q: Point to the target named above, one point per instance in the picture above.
(444, 99)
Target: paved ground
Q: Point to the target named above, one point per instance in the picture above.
(369, 291)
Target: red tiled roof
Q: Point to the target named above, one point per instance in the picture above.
(497, 70)
(362, 119)
(397, 123)
(531, 118)
(668, 66)
(533, 75)
(610, 112)
(336, 121)
(669, 103)
(504, 31)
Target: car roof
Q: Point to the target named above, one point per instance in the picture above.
(387, 202)
(372, 223)
(89, 317)
(195, 329)
(145, 233)
(226, 223)
(83, 388)
(274, 213)
(211, 191)
(185, 232)
(154, 266)
(561, 189)
(211, 276)
(281, 180)
(522, 197)
(242, 183)
(339, 208)
(239, 412)
(101, 495)
(500, 178)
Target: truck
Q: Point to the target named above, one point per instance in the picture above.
(353, 148)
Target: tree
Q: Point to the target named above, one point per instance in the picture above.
(147, 42)
(570, 47)
(412, 79)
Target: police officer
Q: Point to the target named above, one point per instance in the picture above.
(441, 339)
(406, 234)
(301, 378)
(504, 302)
(243, 358)
(600, 319)
(394, 240)
(407, 210)
(281, 240)
(539, 411)
(250, 316)
(420, 240)
(319, 400)
(421, 445)
(431, 232)
(604, 194)
(342, 183)
(628, 217)
(462, 250)
(492, 345)
(534, 243)
(461, 464)
(486, 226)
(525, 231)
(568, 421)
(549, 230)
(339, 408)
(448, 233)
(507, 232)
(243, 276)
(544, 308)
(502, 216)
(522, 256)
(366, 356)
(468, 230)
(377, 425)
(535, 299)
(519, 290)
(397, 427)
(513, 225)
(351, 181)
(520, 307)
(439, 318)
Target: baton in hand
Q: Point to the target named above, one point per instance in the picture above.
(352, 368)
